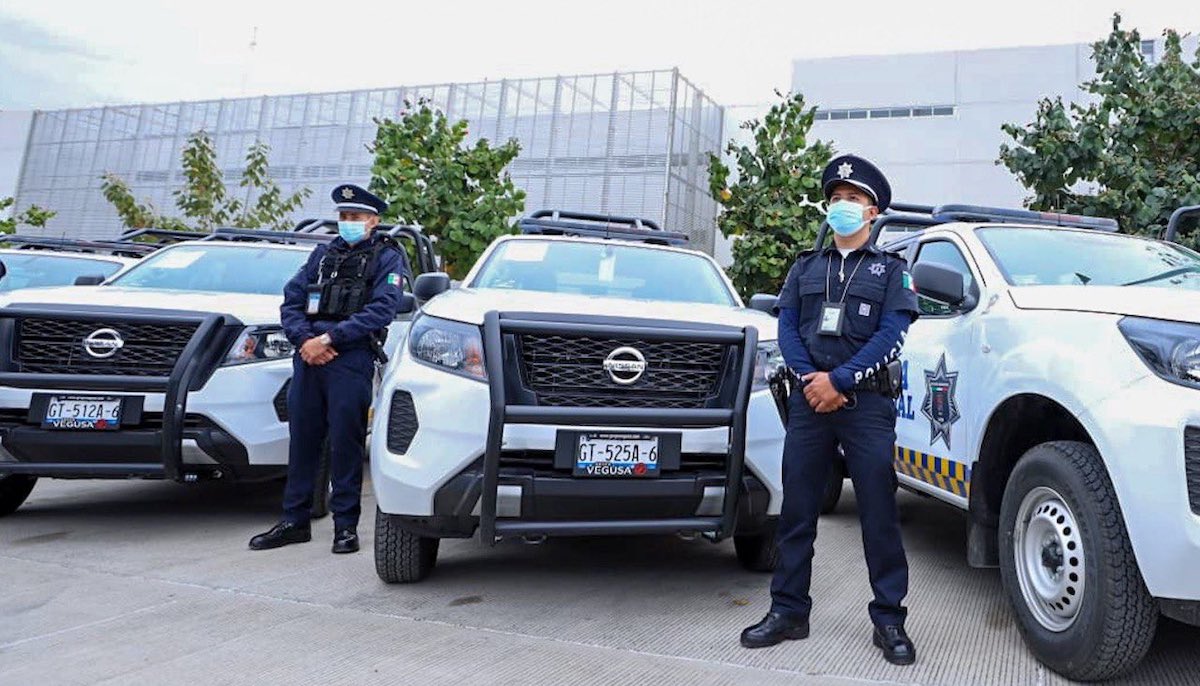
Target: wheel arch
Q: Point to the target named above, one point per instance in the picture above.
(1015, 425)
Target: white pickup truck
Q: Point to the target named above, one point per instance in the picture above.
(175, 368)
(1053, 392)
(589, 377)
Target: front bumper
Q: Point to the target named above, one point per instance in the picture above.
(230, 428)
(1140, 433)
(564, 505)
(448, 438)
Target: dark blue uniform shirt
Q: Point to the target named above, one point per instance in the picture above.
(387, 279)
(879, 306)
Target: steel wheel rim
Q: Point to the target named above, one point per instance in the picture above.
(1049, 556)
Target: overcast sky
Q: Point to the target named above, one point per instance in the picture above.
(69, 53)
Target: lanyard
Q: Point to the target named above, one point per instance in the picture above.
(829, 272)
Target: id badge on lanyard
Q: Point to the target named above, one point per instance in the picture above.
(832, 317)
(314, 300)
(833, 314)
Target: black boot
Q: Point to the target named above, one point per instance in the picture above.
(774, 629)
(283, 533)
(345, 541)
(897, 647)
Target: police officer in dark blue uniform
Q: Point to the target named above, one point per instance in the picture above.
(336, 310)
(843, 313)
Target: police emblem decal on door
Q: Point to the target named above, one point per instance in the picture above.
(940, 406)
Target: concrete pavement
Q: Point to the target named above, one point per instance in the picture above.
(144, 582)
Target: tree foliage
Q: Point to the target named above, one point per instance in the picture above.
(772, 209)
(204, 201)
(461, 195)
(1132, 154)
(31, 216)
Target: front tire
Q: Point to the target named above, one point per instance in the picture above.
(758, 552)
(1068, 568)
(14, 489)
(322, 488)
(400, 555)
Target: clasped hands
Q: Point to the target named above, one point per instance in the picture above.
(821, 394)
(317, 352)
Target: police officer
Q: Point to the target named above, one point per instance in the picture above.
(843, 314)
(335, 311)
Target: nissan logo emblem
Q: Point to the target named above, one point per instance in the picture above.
(625, 365)
(103, 343)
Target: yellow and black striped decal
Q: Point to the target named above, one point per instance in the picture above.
(947, 475)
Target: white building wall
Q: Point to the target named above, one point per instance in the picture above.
(940, 159)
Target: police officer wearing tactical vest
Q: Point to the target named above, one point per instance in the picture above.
(335, 311)
(843, 313)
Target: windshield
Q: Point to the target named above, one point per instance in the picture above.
(36, 269)
(603, 270)
(1057, 257)
(216, 268)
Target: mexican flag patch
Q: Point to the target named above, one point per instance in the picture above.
(908, 282)
(393, 279)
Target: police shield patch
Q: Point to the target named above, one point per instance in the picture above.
(940, 406)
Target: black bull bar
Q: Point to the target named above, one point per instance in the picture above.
(499, 360)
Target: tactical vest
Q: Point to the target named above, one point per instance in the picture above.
(344, 281)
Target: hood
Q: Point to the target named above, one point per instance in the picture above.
(1146, 301)
(470, 304)
(250, 309)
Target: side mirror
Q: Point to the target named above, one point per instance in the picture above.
(939, 282)
(408, 304)
(763, 302)
(430, 284)
(89, 280)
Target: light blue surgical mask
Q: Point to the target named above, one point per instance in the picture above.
(845, 217)
(352, 232)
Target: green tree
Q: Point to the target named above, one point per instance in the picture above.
(772, 209)
(1132, 154)
(203, 200)
(461, 195)
(32, 216)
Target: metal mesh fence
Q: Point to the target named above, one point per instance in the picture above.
(631, 143)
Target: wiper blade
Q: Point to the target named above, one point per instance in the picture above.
(1165, 275)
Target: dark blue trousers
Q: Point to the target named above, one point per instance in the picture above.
(867, 434)
(328, 401)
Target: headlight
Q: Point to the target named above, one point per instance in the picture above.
(769, 358)
(450, 346)
(258, 344)
(1170, 349)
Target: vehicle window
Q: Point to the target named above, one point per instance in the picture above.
(946, 254)
(604, 271)
(1058, 257)
(216, 268)
(38, 269)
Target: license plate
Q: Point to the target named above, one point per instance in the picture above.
(602, 454)
(83, 413)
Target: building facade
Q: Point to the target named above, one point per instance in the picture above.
(630, 143)
(932, 120)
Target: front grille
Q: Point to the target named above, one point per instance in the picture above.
(402, 422)
(1191, 461)
(568, 371)
(56, 346)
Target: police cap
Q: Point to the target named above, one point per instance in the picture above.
(857, 171)
(351, 198)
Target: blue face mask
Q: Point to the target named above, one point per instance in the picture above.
(352, 232)
(845, 217)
